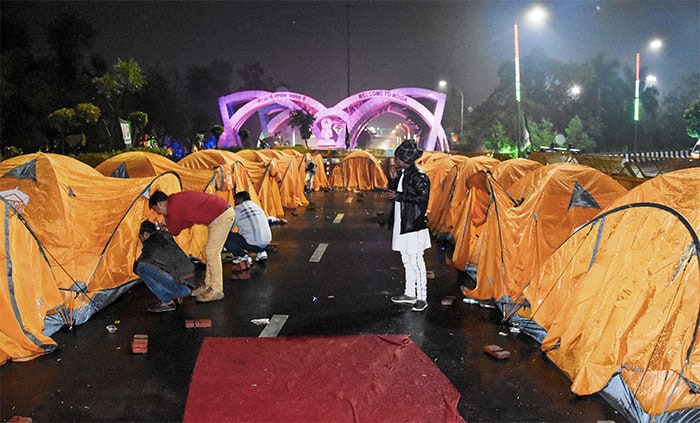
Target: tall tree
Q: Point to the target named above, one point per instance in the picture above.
(70, 38)
(253, 78)
(203, 86)
(165, 103)
(303, 120)
(114, 87)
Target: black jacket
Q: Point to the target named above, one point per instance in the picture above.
(414, 195)
(161, 250)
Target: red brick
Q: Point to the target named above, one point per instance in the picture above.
(139, 344)
(496, 352)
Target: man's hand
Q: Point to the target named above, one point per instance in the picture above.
(389, 195)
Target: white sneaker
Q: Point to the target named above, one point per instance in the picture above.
(247, 257)
(262, 256)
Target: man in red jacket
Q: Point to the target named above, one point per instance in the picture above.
(185, 209)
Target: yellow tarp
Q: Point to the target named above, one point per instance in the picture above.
(87, 226)
(358, 170)
(452, 198)
(623, 295)
(552, 202)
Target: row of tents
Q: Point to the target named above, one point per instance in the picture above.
(606, 278)
(70, 230)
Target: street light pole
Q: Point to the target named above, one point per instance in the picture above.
(654, 45)
(636, 105)
(443, 84)
(517, 81)
(461, 116)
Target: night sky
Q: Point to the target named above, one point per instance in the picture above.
(392, 44)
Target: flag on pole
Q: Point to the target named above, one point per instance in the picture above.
(126, 131)
(526, 134)
(347, 137)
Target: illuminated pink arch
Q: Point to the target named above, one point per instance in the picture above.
(351, 114)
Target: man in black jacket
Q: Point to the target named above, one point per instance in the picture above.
(165, 269)
(408, 220)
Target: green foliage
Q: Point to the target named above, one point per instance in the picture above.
(87, 113)
(62, 119)
(577, 137)
(126, 77)
(217, 130)
(10, 151)
(303, 120)
(541, 134)
(138, 120)
(497, 139)
(106, 85)
(244, 134)
(692, 119)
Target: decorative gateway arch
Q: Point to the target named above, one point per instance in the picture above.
(341, 124)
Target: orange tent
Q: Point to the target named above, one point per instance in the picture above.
(483, 188)
(509, 171)
(552, 202)
(245, 175)
(263, 173)
(140, 164)
(437, 166)
(483, 194)
(620, 301)
(291, 178)
(453, 194)
(70, 233)
(358, 170)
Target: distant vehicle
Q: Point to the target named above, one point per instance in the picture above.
(695, 151)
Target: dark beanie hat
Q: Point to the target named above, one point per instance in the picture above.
(147, 227)
(408, 152)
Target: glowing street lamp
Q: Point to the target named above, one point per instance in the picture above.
(537, 15)
(650, 80)
(443, 84)
(575, 91)
(654, 45)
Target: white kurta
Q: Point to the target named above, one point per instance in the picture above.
(411, 242)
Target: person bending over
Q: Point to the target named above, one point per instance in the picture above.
(185, 209)
(165, 269)
(254, 233)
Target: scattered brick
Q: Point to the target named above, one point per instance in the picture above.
(241, 265)
(496, 352)
(239, 275)
(139, 344)
(197, 323)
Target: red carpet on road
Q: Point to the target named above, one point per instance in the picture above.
(367, 378)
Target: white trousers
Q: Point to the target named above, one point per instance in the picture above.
(416, 275)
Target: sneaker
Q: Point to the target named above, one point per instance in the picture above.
(262, 256)
(420, 305)
(161, 307)
(210, 295)
(199, 290)
(403, 299)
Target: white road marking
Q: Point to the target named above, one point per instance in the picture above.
(338, 217)
(274, 327)
(348, 200)
(316, 256)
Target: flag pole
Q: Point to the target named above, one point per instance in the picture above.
(517, 80)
